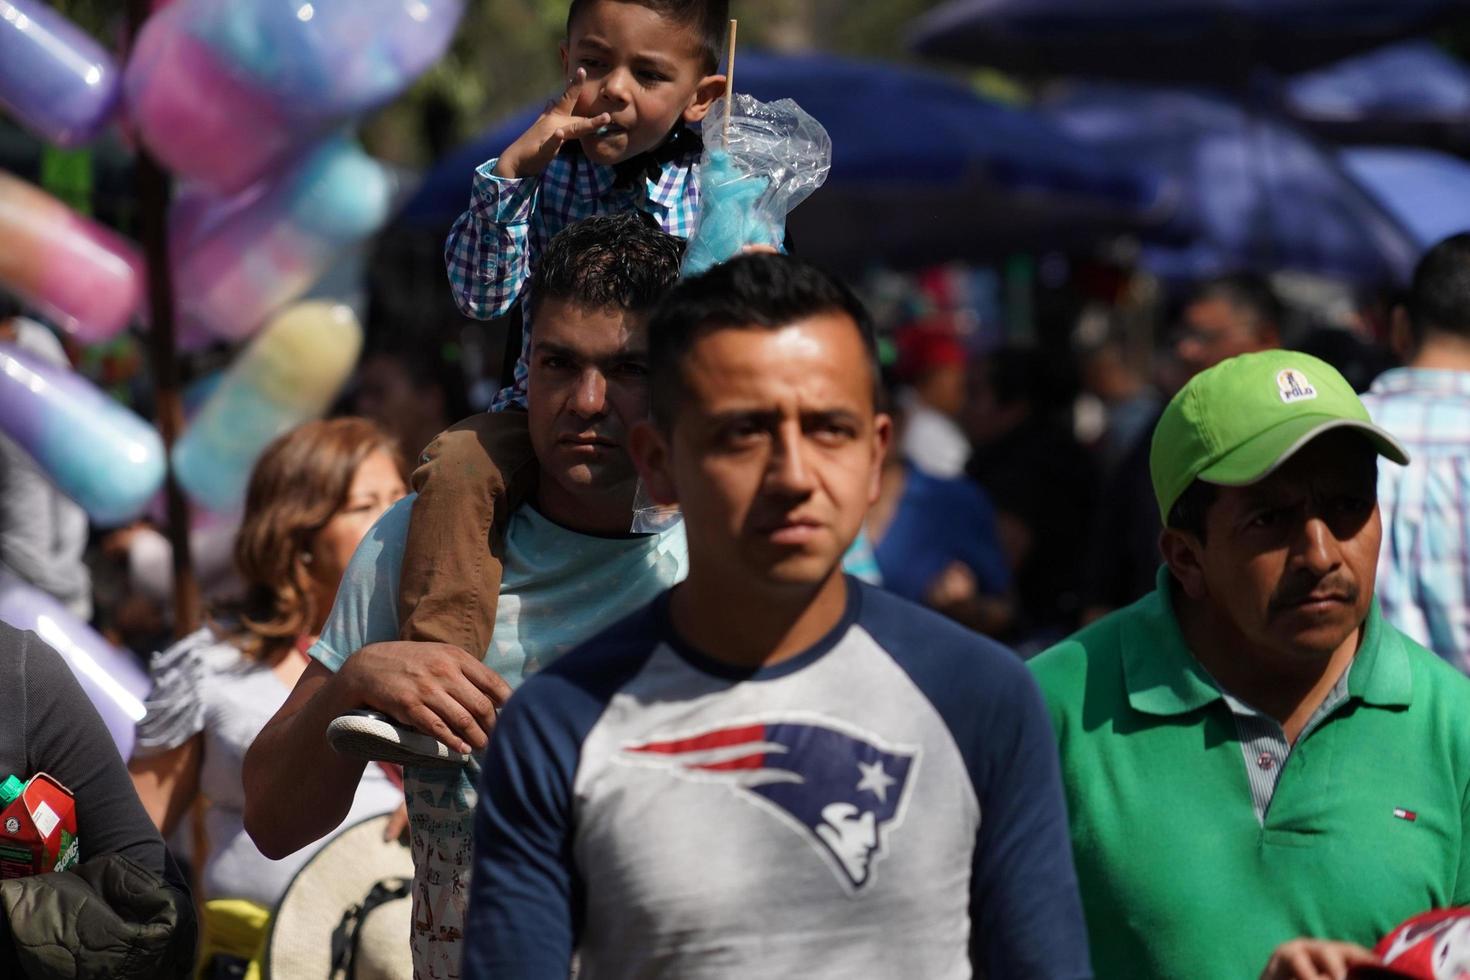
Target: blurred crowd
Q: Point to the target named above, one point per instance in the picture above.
(1016, 498)
(1047, 424)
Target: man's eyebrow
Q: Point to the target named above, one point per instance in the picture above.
(764, 416)
(832, 415)
(1255, 495)
(551, 347)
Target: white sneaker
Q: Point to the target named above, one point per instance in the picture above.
(378, 738)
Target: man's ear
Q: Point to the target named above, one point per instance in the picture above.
(1401, 334)
(650, 452)
(710, 87)
(882, 439)
(1182, 553)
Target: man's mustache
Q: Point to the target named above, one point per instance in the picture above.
(1295, 593)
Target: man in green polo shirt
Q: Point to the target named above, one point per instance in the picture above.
(1261, 772)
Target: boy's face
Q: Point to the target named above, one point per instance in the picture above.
(643, 69)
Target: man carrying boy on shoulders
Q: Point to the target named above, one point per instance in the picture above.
(571, 569)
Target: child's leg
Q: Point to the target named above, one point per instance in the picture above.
(472, 477)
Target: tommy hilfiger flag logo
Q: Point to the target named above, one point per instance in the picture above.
(1403, 814)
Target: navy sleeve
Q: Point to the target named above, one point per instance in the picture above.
(525, 902)
(1024, 899)
(520, 923)
(1025, 909)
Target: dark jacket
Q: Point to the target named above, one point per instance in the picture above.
(105, 918)
(124, 911)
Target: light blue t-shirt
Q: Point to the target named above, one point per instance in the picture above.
(559, 588)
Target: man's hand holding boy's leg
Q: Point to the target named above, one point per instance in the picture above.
(298, 790)
(437, 689)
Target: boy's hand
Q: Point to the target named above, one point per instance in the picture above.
(530, 154)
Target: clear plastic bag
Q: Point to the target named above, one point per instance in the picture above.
(755, 171)
(650, 516)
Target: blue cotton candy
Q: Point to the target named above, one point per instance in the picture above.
(728, 219)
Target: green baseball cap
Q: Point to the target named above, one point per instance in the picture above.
(1235, 423)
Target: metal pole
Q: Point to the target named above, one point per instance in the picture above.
(152, 185)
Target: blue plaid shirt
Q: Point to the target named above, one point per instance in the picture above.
(1424, 569)
(493, 247)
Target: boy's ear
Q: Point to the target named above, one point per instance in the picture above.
(710, 87)
(566, 72)
(650, 452)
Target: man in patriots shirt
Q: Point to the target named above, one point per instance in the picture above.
(772, 770)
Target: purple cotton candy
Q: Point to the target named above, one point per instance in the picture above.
(97, 452)
(54, 77)
(111, 678)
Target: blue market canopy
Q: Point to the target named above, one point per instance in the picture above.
(1169, 40)
(1412, 92)
(1426, 191)
(1262, 195)
(923, 170)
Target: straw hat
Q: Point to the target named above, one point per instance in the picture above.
(346, 914)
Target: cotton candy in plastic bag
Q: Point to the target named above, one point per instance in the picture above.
(223, 91)
(753, 174)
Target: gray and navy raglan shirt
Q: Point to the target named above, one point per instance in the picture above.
(885, 804)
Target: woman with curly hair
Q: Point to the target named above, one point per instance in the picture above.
(313, 495)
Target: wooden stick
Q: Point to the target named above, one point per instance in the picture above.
(152, 186)
(730, 78)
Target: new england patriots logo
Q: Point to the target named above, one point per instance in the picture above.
(846, 790)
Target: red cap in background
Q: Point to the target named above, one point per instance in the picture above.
(924, 345)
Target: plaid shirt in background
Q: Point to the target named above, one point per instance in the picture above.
(1424, 568)
(493, 247)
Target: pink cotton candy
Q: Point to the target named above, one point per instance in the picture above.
(197, 117)
(235, 265)
(82, 276)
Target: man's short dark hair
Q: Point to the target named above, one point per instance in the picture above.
(1439, 301)
(1245, 292)
(620, 261)
(707, 18)
(758, 291)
